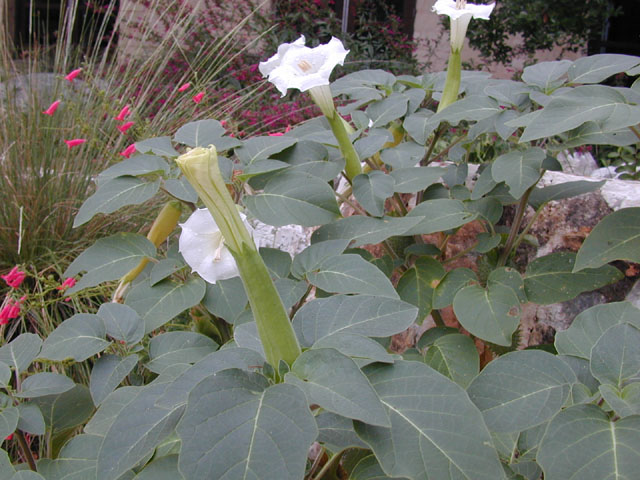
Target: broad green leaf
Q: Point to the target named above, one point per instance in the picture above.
(238, 426)
(290, 291)
(134, 166)
(162, 302)
(240, 358)
(546, 75)
(76, 460)
(429, 337)
(370, 145)
(439, 215)
(549, 279)
(332, 380)
(226, 299)
(315, 254)
(246, 336)
(387, 110)
(405, 155)
(115, 194)
(455, 356)
(590, 133)
(596, 68)
(452, 282)
(588, 103)
(616, 237)
(372, 316)
(78, 338)
(6, 469)
(492, 314)
(363, 78)
(122, 322)
(485, 241)
(5, 374)
(27, 475)
(261, 167)
(178, 347)
(365, 230)
(31, 419)
(66, 410)
(615, 357)
(109, 410)
(625, 402)
(416, 286)
(369, 469)
(363, 350)
(21, 351)
(294, 197)
(372, 189)
(44, 383)
(135, 432)
(163, 468)
(160, 146)
(201, 133)
(8, 421)
(540, 196)
(107, 373)
(582, 442)
(580, 367)
(521, 389)
(436, 431)
(277, 261)
(588, 327)
(181, 189)
(261, 148)
(109, 259)
(518, 169)
(351, 273)
(336, 432)
(414, 179)
(419, 126)
(165, 268)
(473, 107)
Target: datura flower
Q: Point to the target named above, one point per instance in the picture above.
(461, 14)
(202, 246)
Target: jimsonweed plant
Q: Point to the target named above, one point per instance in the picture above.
(285, 372)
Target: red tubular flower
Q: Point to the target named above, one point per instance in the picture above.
(124, 113)
(74, 142)
(124, 127)
(14, 278)
(73, 74)
(52, 108)
(198, 97)
(130, 150)
(68, 283)
(10, 310)
(184, 87)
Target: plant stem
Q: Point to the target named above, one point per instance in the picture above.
(452, 84)
(329, 467)
(26, 451)
(437, 318)
(352, 160)
(635, 131)
(528, 226)
(515, 226)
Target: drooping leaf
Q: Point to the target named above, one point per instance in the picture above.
(521, 389)
(436, 431)
(162, 302)
(115, 194)
(107, 373)
(518, 169)
(66, 410)
(226, 299)
(455, 356)
(588, 327)
(439, 215)
(44, 383)
(294, 198)
(109, 259)
(21, 351)
(372, 189)
(78, 338)
(616, 237)
(615, 357)
(31, 419)
(332, 380)
(368, 315)
(365, 230)
(560, 191)
(238, 426)
(550, 279)
(416, 286)
(121, 322)
(351, 273)
(582, 442)
(337, 432)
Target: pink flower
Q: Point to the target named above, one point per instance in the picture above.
(130, 150)
(68, 283)
(279, 134)
(124, 113)
(73, 74)
(9, 437)
(124, 127)
(14, 278)
(198, 97)
(10, 310)
(74, 142)
(52, 108)
(184, 87)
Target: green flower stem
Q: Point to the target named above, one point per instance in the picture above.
(352, 160)
(452, 85)
(279, 341)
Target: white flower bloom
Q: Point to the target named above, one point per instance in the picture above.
(300, 67)
(461, 14)
(202, 247)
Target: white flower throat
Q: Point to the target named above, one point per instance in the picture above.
(304, 66)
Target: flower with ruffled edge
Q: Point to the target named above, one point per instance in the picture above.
(461, 14)
(202, 246)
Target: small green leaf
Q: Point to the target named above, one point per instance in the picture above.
(165, 268)
(160, 146)
(107, 373)
(178, 347)
(452, 282)
(115, 194)
(165, 300)
(8, 421)
(134, 166)
(5, 374)
(560, 191)
(615, 357)
(6, 469)
(336, 432)
(109, 259)
(351, 273)
(518, 169)
(365, 230)
(387, 110)
(21, 351)
(521, 389)
(549, 279)
(314, 254)
(66, 410)
(122, 322)
(226, 299)
(546, 75)
(277, 261)
(261, 148)
(473, 107)
(181, 189)
(454, 356)
(405, 155)
(361, 349)
(626, 402)
(44, 383)
(201, 133)
(31, 419)
(582, 442)
(416, 286)
(439, 215)
(348, 394)
(372, 189)
(616, 237)
(414, 179)
(370, 145)
(78, 338)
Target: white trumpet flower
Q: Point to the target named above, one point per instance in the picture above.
(461, 14)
